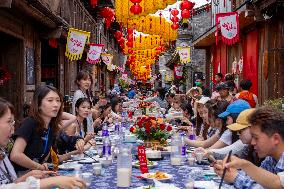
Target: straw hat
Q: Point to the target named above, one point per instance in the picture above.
(242, 120)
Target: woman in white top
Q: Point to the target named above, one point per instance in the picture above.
(8, 177)
(84, 82)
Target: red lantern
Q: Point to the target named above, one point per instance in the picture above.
(175, 12)
(93, 3)
(129, 37)
(129, 44)
(174, 26)
(136, 1)
(118, 35)
(122, 46)
(174, 19)
(185, 4)
(136, 9)
(107, 12)
(130, 51)
(121, 40)
(130, 31)
(185, 14)
(107, 22)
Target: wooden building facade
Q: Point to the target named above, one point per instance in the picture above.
(27, 29)
(260, 47)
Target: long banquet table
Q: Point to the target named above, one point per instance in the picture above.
(108, 178)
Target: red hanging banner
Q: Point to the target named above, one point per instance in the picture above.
(142, 159)
(178, 71)
(229, 24)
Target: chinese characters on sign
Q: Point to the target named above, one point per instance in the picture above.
(75, 43)
(94, 53)
(142, 159)
(184, 54)
(229, 24)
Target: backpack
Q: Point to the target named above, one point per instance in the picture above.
(248, 96)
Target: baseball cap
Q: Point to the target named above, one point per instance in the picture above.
(241, 121)
(203, 100)
(235, 108)
(223, 85)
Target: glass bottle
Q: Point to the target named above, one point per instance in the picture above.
(176, 147)
(124, 167)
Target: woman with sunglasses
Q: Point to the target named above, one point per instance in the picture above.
(8, 177)
(36, 135)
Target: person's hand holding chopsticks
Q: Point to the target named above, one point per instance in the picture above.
(230, 173)
(235, 163)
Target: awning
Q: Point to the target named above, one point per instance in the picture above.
(208, 38)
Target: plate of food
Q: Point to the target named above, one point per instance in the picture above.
(150, 164)
(159, 175)
(171, 186)
(69, 166)
(87, 161)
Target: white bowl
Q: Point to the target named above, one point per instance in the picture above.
(105, 162)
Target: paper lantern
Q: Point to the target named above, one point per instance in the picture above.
(174, 26)
(117, 35)
(175, 12)
(93, 3)
(107, 12)
(136, 9)
(175, 19)
(185, 14)
(136, 1)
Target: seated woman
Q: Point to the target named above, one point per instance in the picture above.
(36, 135)
(228, 137)
(8, 177)
(78, 128)
(214, 109)
(115, 108)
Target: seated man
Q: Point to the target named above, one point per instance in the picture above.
(267, 130)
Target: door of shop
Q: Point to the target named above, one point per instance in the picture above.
(12, 63)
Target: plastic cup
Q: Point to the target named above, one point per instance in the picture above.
(87, 177)
(189, 183)
(199, 156)
(191, 161)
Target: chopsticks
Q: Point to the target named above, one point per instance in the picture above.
(90, 157)
(223, 176)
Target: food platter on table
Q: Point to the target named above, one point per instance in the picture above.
(169, 186)
(69, 166)
(87, 161)
(157, 175)
(150, 164)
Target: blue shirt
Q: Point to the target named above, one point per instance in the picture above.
(131, 94)
(243, 181)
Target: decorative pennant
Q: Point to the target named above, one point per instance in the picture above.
(184, 54)
(107, 58)
(178, 71)
(229, 24)
(75, 43)
(94, 53)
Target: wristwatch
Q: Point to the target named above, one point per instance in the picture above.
(33, 182)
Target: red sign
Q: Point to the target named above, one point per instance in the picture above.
(142, 159)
